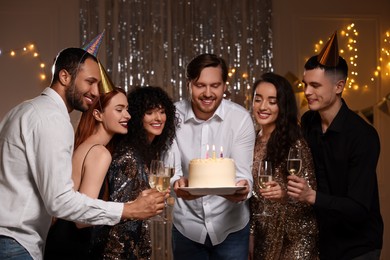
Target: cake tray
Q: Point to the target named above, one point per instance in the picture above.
(212, 191)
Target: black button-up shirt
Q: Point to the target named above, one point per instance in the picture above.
(347, 201)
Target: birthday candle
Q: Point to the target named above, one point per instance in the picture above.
(207, 151)
(221, 154)
(213, 151)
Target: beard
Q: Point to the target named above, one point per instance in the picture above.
(75, 99)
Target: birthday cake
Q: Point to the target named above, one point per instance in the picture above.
(212, 173)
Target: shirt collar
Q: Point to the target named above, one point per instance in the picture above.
(51, 93)
(219, 113)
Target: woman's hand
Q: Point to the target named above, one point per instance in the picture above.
(273, 191)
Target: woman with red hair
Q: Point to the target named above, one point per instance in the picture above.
(91, 159)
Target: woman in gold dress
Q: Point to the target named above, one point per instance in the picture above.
(290, 232)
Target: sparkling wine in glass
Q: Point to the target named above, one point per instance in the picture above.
(156, 167)
(152, 180)
(264, 175)
(294, 161)
(169, 161)
(162, 182)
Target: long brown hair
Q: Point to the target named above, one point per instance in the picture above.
(87, 123)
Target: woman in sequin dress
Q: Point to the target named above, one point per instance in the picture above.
(291, 230)
(151, 132)
(107, 116)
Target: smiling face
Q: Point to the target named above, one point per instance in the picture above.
(265, 106)
(115, 115)
(207, 92)
(322, 90)
(82, 91)
(154, 122)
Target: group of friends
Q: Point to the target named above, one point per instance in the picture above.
(85, 194)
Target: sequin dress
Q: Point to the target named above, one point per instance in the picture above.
(127, 177)
(291, 230)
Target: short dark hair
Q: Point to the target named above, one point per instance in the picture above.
(69, 59)
(196, 65)
(341, 70)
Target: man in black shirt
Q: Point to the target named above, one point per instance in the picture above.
(345, 150)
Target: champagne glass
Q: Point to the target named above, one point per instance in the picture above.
(162, 180)
(156, 166)
(264, 175)
(169, 161)
(156, 169)
(294, 163)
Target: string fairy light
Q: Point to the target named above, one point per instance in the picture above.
(31, 50)
(350, 53)
(384, 59)
(349, 36)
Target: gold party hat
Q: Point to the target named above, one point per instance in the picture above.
(329, 56)
(93, 46)
(106, 84)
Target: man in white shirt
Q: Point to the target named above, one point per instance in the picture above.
(211, 226)
(36, 146)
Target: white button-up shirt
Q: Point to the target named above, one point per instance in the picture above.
(231, 127)
(36, 147)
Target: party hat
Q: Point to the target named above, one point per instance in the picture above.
(93, 46)
(106, 84)
(329, 56)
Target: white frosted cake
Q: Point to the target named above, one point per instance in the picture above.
(212, 173)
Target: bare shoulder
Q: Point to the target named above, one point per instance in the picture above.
(88, 152)
(98, 153)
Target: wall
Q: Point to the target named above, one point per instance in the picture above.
(299, 24)
(51, 25)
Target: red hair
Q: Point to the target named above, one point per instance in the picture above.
(87, 123)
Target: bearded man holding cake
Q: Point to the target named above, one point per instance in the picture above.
(213, 181)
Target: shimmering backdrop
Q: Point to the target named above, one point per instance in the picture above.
(150, 42)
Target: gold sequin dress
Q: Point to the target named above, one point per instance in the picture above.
(291, 230)
(127, 177)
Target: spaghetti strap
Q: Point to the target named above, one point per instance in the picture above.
(82, 166)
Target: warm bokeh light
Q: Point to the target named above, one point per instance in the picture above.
(350, 53)
(29, 48)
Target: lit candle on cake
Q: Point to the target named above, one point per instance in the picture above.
(221, 154)
(207, 151)
(213, 151)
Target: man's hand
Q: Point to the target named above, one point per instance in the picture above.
(148, 204)
(239, 195)
(298, 189)
(185, 195)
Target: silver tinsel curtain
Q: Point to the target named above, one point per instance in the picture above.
(150, 42)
